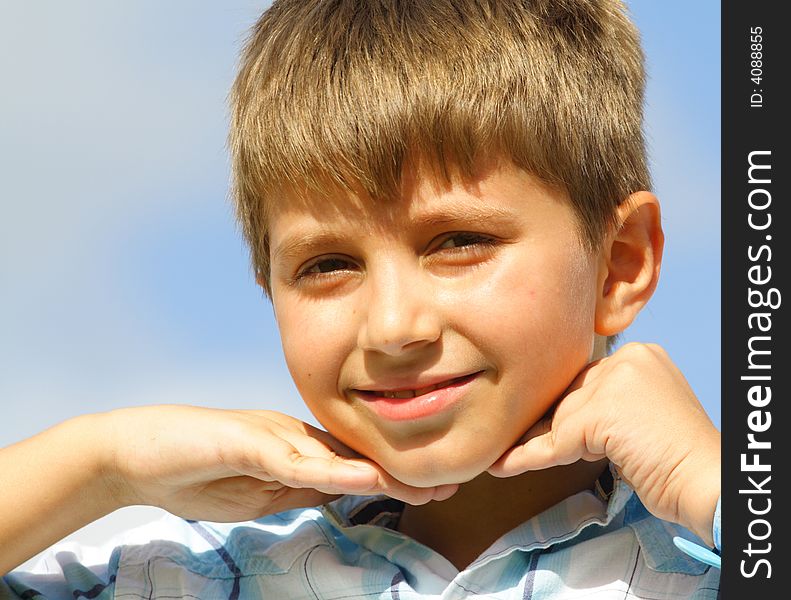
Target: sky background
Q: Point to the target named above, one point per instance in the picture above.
(123, 278)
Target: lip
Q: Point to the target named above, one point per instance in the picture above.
(448, 391)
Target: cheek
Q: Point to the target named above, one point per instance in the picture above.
(315, 340)
(536, 316)
(551, 296)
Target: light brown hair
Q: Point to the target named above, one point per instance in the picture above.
(336, 95)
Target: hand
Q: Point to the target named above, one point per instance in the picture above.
(636, 409)
(235, 465)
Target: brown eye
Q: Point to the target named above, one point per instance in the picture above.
(328, 265)
(456, 252)
(322, 269)
(461, 240)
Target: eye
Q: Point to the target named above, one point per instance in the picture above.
(327, 265)
(455, 252)
(322, 267)
(461, 240)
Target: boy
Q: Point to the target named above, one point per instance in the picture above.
(446, 203)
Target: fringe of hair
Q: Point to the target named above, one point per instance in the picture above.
(336, 95)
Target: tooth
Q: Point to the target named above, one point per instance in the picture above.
(404, 394)
(426, 390)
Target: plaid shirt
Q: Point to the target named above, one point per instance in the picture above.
(591, 545)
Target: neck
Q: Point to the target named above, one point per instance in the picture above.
(486, 508)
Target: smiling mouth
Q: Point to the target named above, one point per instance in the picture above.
(407, 394)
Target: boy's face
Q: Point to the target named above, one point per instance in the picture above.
(480, 288)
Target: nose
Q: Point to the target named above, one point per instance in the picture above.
(401, 312)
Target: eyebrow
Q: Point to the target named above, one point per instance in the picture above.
(469, 214)
(306, 243)
(297, 245)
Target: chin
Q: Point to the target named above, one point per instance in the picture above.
(429, 470)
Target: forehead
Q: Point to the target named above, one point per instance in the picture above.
(493, 192)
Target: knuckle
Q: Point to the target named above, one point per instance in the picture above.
(292, 470)
(658, 350)
(629, 347)
(626, 369)
(636, 349)
(643, 350)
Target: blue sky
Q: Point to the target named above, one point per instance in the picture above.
(123, 278)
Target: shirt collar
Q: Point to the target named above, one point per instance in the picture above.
(371, 522)
(656, 541)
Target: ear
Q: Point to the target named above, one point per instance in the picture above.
(629, 266)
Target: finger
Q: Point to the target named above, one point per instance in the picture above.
(377, 481)
(297, 459)
(281, 461)
(414, 495)
(330, 441)
(392, 487)
(312, 446)
(533, 451)
(573, 398)
(535, 454)
(549, 443)
(386, 484)
(244, 498)
(592, 371)
(295, 426)
(443, 492)
(298, 498)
